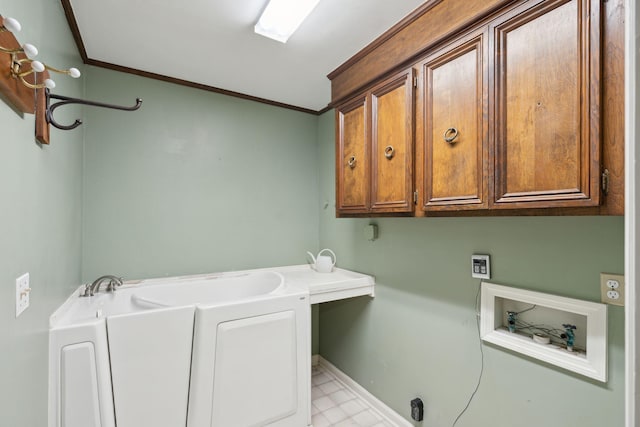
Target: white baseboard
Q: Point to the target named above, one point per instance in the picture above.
(315, 359)
(383, 410)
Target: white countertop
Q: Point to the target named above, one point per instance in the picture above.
(323, 287)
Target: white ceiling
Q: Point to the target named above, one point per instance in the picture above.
(212, 42)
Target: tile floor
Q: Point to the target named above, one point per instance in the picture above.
(334, 404)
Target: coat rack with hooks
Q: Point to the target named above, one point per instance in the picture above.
(26, 84)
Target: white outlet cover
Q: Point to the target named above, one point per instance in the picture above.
(612, 288)
(22, 293)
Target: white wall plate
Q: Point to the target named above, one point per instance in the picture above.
(22, 293)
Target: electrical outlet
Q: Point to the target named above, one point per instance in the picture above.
(612, 288)
(22, 293)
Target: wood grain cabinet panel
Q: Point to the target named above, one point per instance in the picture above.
(547, 90)
(392, 145)
(455, 126)
(352, 157)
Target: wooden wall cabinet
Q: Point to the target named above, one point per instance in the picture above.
(546, 101)
(516, 113)
(455, 148)
(352, 154)
(374, 149)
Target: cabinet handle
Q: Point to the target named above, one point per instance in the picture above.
(389, 152)
(450, 135)
(352, 162)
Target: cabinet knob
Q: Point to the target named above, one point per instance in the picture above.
(352, 162)
(389, 152)
(450, 135)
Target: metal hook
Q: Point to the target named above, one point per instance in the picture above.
(65, 100)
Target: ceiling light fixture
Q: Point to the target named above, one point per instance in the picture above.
(281, 18)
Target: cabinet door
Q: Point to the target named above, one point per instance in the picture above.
(392, 144)
(547, 90)
(455, 127)
(352, 171)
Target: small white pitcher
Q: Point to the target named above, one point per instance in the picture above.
(323, 263)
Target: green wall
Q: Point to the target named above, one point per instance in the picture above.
(198, 182)
(40, 220)
(194, 181)
(418, 336)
